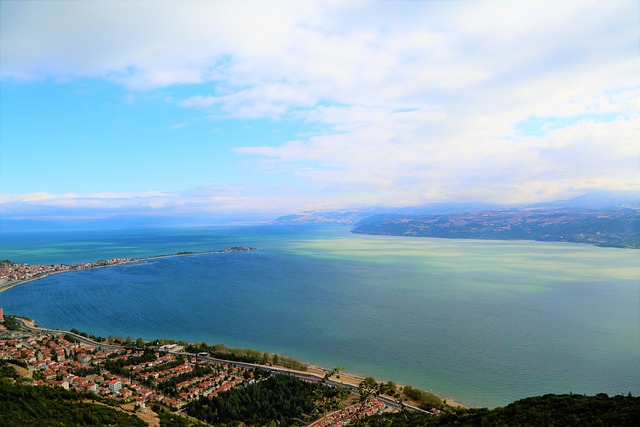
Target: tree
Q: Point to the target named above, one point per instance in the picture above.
(368, 389)
(389, 388)
(422, 397)
(323, 403)
(11, 323)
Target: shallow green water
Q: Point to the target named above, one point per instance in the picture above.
(485, 322)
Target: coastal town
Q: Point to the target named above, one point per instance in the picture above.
(12, 273)
(139, 376)
(63, 361)
(136, 378)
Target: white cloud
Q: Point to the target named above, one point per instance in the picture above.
(406, 100)
(179, 125)
(202, 201)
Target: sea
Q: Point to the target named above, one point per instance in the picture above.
(478, 321)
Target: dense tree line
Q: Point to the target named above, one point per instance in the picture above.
(55, 407)
(219, 351)
(6, 370)
(425, 400)
(18, 362)
(245, 355)
(95, 338)
(281, 399)
(71, 338)
(85, 372)
(118, 366)
(11, 323)
(171, 419)
(547, 410)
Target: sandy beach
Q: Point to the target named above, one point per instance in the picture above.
(353, 379)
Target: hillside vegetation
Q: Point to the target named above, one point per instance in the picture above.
(612, 228)
(547, 410)
(286, 401)
(24, 405)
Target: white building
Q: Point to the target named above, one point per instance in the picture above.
(115, 386)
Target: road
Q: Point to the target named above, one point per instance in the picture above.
(80, 338)
(305, 376)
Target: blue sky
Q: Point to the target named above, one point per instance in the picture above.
(276, 107)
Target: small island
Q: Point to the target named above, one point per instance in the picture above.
(12, 274)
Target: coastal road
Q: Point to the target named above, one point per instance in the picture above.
(305, 376)
(80, 338)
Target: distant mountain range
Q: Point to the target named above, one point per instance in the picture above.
(606, 218)
(121, 222)
(593, 200)
(597, 200)
(600, 218)
(352, 216)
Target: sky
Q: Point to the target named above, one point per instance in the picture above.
(225, 107)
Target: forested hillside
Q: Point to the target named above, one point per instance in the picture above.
(613, 228)
(547, 410)
(23, 405)
(281, 399)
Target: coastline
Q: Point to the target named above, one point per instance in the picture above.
(347, 377)
(113, 262)
(342, 378)
(9, 285)
(500, 271)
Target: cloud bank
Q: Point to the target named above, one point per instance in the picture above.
(401, 102)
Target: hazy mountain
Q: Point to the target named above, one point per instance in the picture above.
(597, 200)
(120, 222)
(62, 220)
(345, 216)
(355, 215)
(592, 200)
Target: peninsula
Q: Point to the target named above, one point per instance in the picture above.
(12, 274)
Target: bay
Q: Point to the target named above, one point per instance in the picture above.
(484, 322)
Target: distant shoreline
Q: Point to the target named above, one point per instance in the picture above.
(113, 262)
(602, 228)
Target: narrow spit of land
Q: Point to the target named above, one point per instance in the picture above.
(13, 274)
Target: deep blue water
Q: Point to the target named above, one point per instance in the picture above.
(484, 322)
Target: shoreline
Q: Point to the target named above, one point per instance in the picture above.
(113, 262)
(346, 378)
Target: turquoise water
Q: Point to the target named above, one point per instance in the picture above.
(484, 322)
